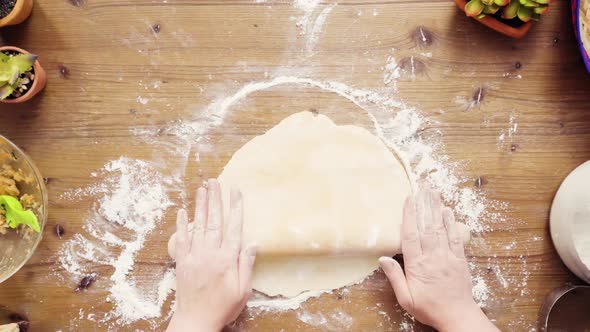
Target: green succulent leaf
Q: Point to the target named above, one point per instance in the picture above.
(4, 57)
(531, 4)
(542, 2)
(6, 90)
(541, 10)
(23, 62)
(490, 10)
(502, 3)
(16, 215)
(487, 2)
(480, 16)
(511, 10)
(15, 77)
(524, 13)
(474, 8)
(535, 17)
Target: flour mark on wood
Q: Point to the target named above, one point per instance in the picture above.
(59, 230)
(480, 181)
(423, 36)
(64, 71)
(77, 3)
(156, 28)
(412, 65)
(478, 96)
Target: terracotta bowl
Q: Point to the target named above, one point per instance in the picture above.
(20, 12)
(499, 26)
(38, 83)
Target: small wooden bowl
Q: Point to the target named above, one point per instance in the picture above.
(499, 26)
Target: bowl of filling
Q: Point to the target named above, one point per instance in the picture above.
(581, 14)
(23, 208)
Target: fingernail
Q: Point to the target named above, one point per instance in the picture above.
(251, 252)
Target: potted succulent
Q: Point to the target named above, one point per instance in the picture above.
(513, 18)
(21, 75)
(14, 11)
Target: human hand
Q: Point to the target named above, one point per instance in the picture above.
(436, 288)
(213, 272)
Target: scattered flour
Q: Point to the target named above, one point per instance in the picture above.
(316, 29)
(142, 100)
(392, 72)
(281, 304)
(506, 136)
(480, 290)
(131, 199)
(334, 321)
(308, 7)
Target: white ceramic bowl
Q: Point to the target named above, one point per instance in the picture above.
(570, 221)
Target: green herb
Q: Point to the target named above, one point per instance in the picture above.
(16, 215)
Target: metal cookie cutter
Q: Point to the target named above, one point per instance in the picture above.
(566, 310)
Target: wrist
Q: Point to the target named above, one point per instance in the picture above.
(188, 323)
(471, 319)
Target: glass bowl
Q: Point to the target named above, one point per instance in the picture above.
(581, 14)
(16, 249)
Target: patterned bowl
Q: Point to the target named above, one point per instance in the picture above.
(581, 13)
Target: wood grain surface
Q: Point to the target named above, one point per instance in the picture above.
(114, 65)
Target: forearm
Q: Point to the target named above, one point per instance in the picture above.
(471, 320)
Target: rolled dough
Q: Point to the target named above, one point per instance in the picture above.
(321, 201)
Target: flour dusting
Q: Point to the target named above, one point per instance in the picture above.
(316, 29)
(392, 71)
(131, 199)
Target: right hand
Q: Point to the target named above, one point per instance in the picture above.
(436, 287)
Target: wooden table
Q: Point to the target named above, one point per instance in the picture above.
(114, 65)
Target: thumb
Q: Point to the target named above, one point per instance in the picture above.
(245, 266)
(397, 279)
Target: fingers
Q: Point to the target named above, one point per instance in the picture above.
(410, 237)
(214, 227)
(428, 237)
(455, 239)
(437, 210)
(438, 226)
(245, 266)
(183, 244)
(200, 216)
(233, 238)
(397, 279)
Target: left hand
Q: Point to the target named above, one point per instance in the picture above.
(213, 272)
